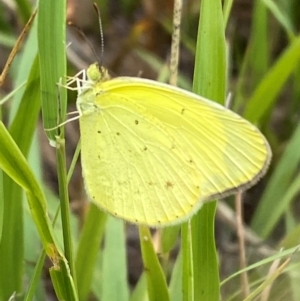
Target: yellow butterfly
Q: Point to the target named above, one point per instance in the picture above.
(153, 153)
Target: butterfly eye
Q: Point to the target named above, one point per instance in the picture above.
(96, 73)
(93, 73)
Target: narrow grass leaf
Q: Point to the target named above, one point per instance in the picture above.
(87, 250)
(21, 69)
(14, 164)
(176, 280)
(63, 283)
(11, 272)
(267, 215)
(210, 62)
(16, 167)
(292, 239)
(156, 281)
(268, 281)
(259, 52)
(24, 8)
(270, 259)
(1, 204)
(205, 261)
(187, 262)
(140, 291)
(169, 238)
(114, 262)
(27, 114)
(52, 48)
(25, 119)
(209, 81)
(280, 16)
(266, 93)
(226, 10)
(35, 277)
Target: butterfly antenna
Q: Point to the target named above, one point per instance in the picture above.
(101, 32)
(85, 38)
(174, 60)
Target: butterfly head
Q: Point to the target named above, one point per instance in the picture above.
(96, 73)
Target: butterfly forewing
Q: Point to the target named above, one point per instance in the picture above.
(136, 170)
(234, 151)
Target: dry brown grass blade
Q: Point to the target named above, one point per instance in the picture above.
(241, 240)
(269, 280)
(16, 47)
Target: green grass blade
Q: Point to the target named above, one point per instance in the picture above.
(25, 119)
(265, 94)
(36, 277)
(156, 281)
(140, 290)
(11, 271)
(115, 286)
(63, 283)
(205, 261)
(1, 204)
(210, 63)
(176, 280)
(21, 69)
(270, 259)
(24, 7)
(187, 262)
(259, 52)
(199, 250)
(27, 115)
(266, 216)
(52, 53)
(227, 10)
(52, 49)
(15, 166)
(65, 204)
(86, 256)
(280, 16)
(169, 237)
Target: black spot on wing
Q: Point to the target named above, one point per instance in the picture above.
(169, 184)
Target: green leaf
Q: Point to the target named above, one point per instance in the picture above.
(200, 268)
(52, 53)
(115, 286)
(274, 201)
(63, 283)
(156, 281)
(86, 256)
(265, 94)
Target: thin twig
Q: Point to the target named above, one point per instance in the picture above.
(16, 47)
(227, 216)
(241, 240)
